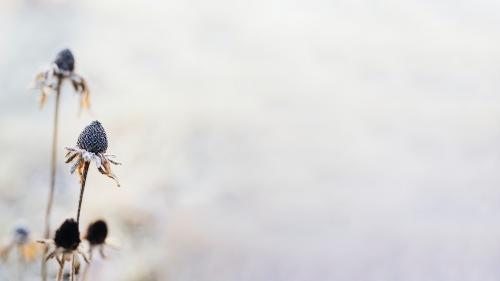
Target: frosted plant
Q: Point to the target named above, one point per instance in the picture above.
(91, 145)
(62, 69)
(50, 81)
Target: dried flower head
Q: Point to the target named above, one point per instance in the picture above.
(91, 146)
(67, 235)
(93, 138)
(97, 233)
(66, 246)
(26, 248)
(62, 68)
(21, 235)
(65, 61)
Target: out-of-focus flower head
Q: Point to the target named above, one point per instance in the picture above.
(27, 249)
(96, 235)
(62, 68)
(66, 246)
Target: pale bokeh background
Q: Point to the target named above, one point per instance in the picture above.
(266, 140)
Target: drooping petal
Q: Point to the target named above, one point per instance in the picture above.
(105, 169)
(71, 155)
(80, 86)
(114, 162)
(76, 165)
(98, 161)
(85, 96)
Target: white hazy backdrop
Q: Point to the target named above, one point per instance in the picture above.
(265, 140)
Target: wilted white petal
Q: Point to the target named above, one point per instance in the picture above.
(97, 160)
(75, 165)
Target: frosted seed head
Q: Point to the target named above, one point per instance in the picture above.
(93, 138)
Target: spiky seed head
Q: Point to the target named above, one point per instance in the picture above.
(21, 235)
(97, 232)
(93, 138)
(65, 60)
(68, 235)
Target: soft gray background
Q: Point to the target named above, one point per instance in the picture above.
(266, 140)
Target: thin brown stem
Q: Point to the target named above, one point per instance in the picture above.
(82, 189)
(50, 201)
(61, 271)
(72, 267)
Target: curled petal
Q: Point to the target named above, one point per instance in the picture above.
(71, 156)
(85, 96)
(43, 97)
(114, 162)
(79, 170)
(106, 157)
(76, 165)
(105, 169)
(72, 149)
(80, 86)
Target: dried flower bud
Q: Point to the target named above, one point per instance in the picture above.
(65, 60)
(68, 235)
(97, 232)
(21, 235)
(93, 138)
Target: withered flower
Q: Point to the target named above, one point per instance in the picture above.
(61, 69)
(27, 249)
(66, 247)
(91, 145)
(97, 233)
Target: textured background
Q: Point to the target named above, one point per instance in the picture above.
(266, 140)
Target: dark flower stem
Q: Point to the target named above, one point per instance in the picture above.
(82, 189)
(50, 201)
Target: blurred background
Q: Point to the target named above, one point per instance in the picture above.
(265, 140)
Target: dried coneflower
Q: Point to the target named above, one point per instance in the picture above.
(62, 68)
(96, 235)
(97, 232)
(66, 247)
(27, 249)
(91, 145)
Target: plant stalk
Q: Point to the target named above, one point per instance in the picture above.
(82, 189)
(50, 201)
(73, 267)
(61, 271)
